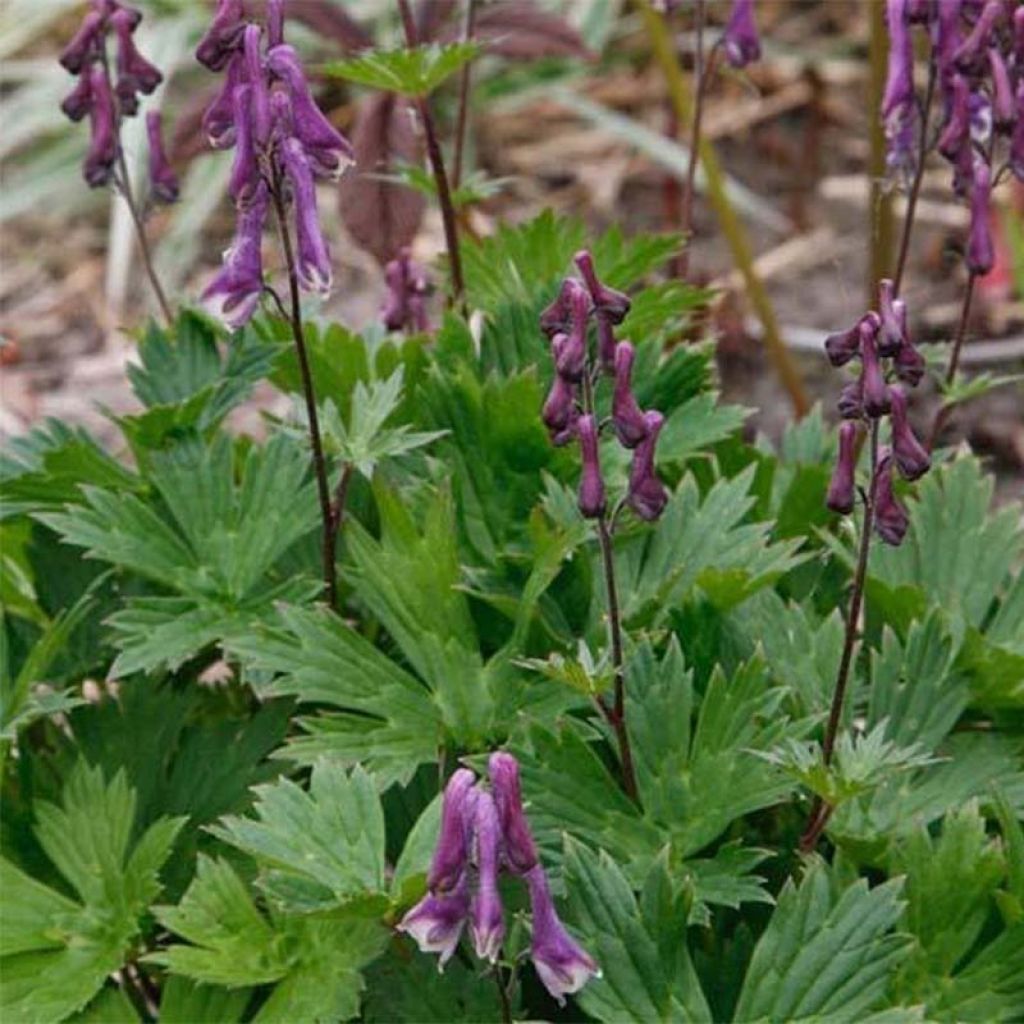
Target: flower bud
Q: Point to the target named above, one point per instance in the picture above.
(78, 102)
(224, 35)
(570, 350)
(891, 519)
(946, 35)
(899, 83)
(256, 76)
(610, 303)
(245, 171)
(313, 260)
(842, 346)
(519, 848)
(647, 494)
(84, 44)
(163, 181)
(486, 921)
(219, 117)
(451, 854)
(98, 167)
(591, 495)
(958, 121)
(554, 319)
(851, 401)
(436, 922)
(627, 417)
(275, 22)
(559, 405)
(1018, 37)
(911, 458)
(970, 54)
(135, 74)
(876, 394)
(980, 255)
(909, 365)
(563, 966)
(841, 487)
(1003, 113)
(893, 330)
(739, 38)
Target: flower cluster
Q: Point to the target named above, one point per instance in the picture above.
(739, 39)
(880, 340)
(569, 408)
(85, 56)
(282, 143)
(483, 833)
(977, 54)
(405, 304)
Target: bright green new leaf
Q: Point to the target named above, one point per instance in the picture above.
(412, 72)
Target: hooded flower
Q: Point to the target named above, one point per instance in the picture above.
(519, 849)
(892, 331)
(314, 264)
(841, 487)
(591, 494)
(163, 181)
(876, 394)
(647, 494)
(560, 405)
(78, 102)
(245, 170)
(452, 851)
(436, 922)
(219, 117)
(1003, 112)
(739, 39)
(223, 36)
(486, 921)
(571, 352)
(98, 167)
(891, 519)
(627, 417)
(135, 74)
(911, 458)
(958, 121)
(970, 54)
(851, 401)
(909, 365)
(405, 300)
(899, 83)
(563, 966)
(235, 292)
(842, 346)
(84, 44)
(554, 319)
(610, 308)
(980, 255)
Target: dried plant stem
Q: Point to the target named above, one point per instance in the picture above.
(821, 811)
(464, 83)
(434, 155)
(880, 201)
(954, 360)
(327, 517)
(732, 228)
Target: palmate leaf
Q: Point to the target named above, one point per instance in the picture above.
(826, 954)
(186, 1002)
(412, 72)
(56, 952)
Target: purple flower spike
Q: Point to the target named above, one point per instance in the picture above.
(163, 182)
(78, 102)
(591, 496)
(851, 401)
(958, 123)
(245, 171)
(560, 405)
(486, 921)
(234, 293)
(627, 417)
(571, 352)
(223, 36)
(519, 848)
(841, 487)
(1003, 112)
(647, 494)
(99, 161)
(909, 365)
(219, 118)
(257, 78)
(911, 458)
(842, 346)
(970, 54)
(83, 46)
(135, 74)
(328, 150)
(947, 33)
(980, 254)
(563, 966)
(739, 39)
(452, 851)
(275, 22)
(1017, 142)
(436, 922)
(876, 394)
(891, 519)
(609, 302)
(899, 84)
(314, 263)
(893, 315)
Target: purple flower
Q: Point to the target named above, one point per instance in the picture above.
(891, 519)
(451, 854)
(591, 495)
(222, 38)
(980, 255)
(841, 487)
(909, 365)
(256, 76)
(328, 150)
(647, 494)
(436, 922)
(78, 102)
(563, 966)
(1017, 142)
(627, 417)
(1018, 37)
(958, 121)
(219, 118)
(911, 458)
(275, 22)
(163, 182)
(98, 167)
(739, 39)
(876, 394)
(970, 54)
(610, 307)
(519, 848)
(1003, 112)
(946, 33)
(851, 401)
(235, 292)
(486, 922)
(404, 304)
(562, 437)
(560, 405)
(245, 170)
(314, 263)
(135, 74)
(842, 346)
(570, 350)
(84, 44)
(893, 329)
(899, 84)
(919, 12)
(554, 318)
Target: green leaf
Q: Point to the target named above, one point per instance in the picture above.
(698, 424)
(111, 1006)
(825, 954)
(412, 72)
(330, 838)
(186, 1002)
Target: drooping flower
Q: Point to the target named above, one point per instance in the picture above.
(437, 921)
(891, 518)
(851, 401)
(223, 36)
(899, 83)
(559, 405)
(486, 921)
(970, 54)
(841, 487)
(740, 40)
(554, 318)
(571, 351)
(980, 255)
(909, 365)
(405, 300)
(1003, 112)
(591, 494)
(163, 181)
(219, 116)
(892, 331)
(876, 394)
(842, 346)
(313, 261)
(610, 309)
(647, 494)
(562, 964)
(98, 167)
(958, 121)
(911, 458)
(78, 102)
(451, 854)
(85, 43)
(627, 417)
(135, 74)
(245, 171)
(519, 849)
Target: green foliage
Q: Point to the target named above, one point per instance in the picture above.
(414, 72)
